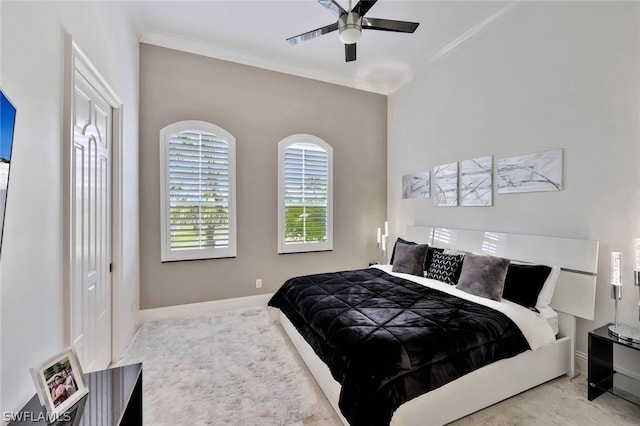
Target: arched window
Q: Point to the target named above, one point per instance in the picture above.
(305, 194)
(197, 191)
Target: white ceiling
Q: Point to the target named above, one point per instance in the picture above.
(254, 33)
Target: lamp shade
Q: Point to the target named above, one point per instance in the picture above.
(616, 268)
(636, 249)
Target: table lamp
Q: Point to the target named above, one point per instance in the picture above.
(622, 331)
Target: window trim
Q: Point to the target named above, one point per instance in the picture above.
(327, 245)
(168, 255)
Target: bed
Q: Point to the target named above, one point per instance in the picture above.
(427, 390)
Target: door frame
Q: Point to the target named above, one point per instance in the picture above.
(76, 59)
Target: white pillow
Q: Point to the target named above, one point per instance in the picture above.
(549, 286)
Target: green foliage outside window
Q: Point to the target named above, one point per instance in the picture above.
(305, 224)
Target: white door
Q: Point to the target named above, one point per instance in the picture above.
(91, 226)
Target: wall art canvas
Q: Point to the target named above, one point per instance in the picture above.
(476, 182)
(7, 123)
(537, 172)
(445, 185)
(417, 185)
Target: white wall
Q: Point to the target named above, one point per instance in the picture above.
(32, 74)
(545, 75)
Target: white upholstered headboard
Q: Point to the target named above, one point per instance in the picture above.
(575, 292)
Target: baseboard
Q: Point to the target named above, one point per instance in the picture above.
(193, 309)
(581, 363)
(582, 360)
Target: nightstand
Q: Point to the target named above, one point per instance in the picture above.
(602, 376)
(114, 399)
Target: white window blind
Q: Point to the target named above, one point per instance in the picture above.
(305, 195)
(199, 219)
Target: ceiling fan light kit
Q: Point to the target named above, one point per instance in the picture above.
(350, 24)
(350, 28)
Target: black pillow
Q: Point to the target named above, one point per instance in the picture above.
(524, 282)
(429, 258)
(399, 241)
(409, 259)
(444, 267)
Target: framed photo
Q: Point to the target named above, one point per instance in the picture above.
(59, 382)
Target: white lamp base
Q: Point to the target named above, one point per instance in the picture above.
(625, 332)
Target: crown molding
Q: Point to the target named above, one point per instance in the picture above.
(211, 50)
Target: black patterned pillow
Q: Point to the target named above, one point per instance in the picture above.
(427, 260)
(444, 267)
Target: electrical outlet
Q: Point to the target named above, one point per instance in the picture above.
(259, 283)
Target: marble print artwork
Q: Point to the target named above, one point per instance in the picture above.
(445, 185)
(541, 171)
(476, 182)
(417, 185)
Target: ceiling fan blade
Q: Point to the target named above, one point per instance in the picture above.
(349, 52)
(363, 6)
(313, 34)
(389, 25)
(333, 7)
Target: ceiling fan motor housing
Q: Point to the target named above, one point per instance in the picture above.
(350, 27)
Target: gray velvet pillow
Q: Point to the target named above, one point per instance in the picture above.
(409, 259)
(483, 276)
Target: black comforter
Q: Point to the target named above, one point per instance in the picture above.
(388, 340)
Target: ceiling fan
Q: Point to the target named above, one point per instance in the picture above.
(351, 23)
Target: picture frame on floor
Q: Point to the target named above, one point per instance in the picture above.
(59, 382)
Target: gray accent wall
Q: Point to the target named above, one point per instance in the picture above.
(259, 108)
(542, 76)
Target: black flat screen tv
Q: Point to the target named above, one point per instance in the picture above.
(7, 126)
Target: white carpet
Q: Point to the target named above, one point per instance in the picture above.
(230, 368)
(237, 368)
